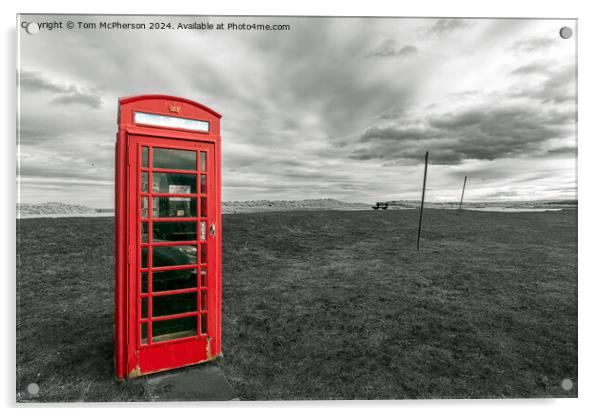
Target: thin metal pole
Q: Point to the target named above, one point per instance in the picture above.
(426, 162)
(463, 187)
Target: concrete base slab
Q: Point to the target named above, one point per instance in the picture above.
(202, 382)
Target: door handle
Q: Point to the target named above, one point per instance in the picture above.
(212, 230)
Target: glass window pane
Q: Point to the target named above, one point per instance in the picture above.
(144, 232)
(174, 183)
(145, 157)
(173, 255)
(203, 162)
(174, 329)
(203, 184)
(144, 207)
(144, 282)
(144, 333)
(144, 257)
(203, 300)
(174, 231)
(174, 279)
(144, 182)
(174, 159)
(203, 253)
(203, 323)
(165, 206)
(203, 207)
(173, 304)
(144, 307)
(203, 278)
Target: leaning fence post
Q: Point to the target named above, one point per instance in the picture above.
(426, 161)
(462, 197)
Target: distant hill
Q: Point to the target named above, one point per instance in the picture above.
(229, 207)
(497, 204)
(52, 209)
(60, 209)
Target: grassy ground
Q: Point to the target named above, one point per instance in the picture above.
(330, 305)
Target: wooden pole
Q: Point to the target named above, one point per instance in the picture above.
(463, 187)
(426, 161)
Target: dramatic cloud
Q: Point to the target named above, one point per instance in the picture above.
(553, 85)
(475, 134)
(64, 94)
(443, 27)
(390, 48)
(79, 98)
(533, 68)
(341, 108)
(33, 81)
(533, 44)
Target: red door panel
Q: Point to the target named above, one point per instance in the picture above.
(173, 292)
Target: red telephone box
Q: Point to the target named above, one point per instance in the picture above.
(167, 235)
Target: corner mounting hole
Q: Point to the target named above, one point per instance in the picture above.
(33, 389)
(567, 384)
(566, 32)
(32, 28)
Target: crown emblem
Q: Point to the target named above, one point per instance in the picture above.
(174, 108)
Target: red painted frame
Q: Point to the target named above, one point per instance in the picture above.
(131, 358)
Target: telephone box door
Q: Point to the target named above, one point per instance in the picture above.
(172, 270)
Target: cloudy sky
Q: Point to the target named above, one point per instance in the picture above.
(332, 108)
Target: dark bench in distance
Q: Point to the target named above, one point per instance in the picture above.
(381, 205)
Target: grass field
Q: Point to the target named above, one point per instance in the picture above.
(329, 305)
